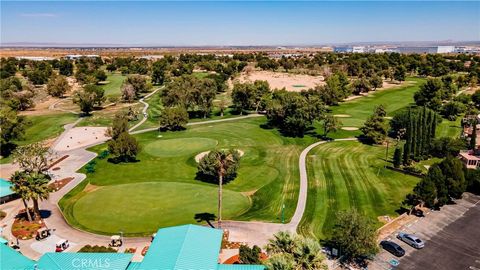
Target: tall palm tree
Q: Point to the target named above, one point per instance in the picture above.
(20, 187)
(224, 160)
(38, 189)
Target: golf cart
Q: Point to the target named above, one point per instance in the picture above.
(42, 233)
(115, 241)
(153, 237)
(61, 245)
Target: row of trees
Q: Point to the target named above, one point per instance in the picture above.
(420, 127)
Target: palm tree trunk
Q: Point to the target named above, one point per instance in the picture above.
(36, 209)
(29, 217)
(220, 184)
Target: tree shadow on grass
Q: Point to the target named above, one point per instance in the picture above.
(118, 160)
(213, 179)
(207, 217)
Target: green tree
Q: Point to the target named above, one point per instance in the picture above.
(20, 187)
(119, 125)
(430, 94)
(173, 118)
(90, 96)
(243, 96)
(12, 127)
(249, 255)
(57, 86)
(376, 82)
(397, 157)
(354, 235)
(124, 148)
(159, 69)
(361, 85)
(426, 191)
(399, 73)
(32, 157)
(38, 189)
(330, 124)
(375, 129)
(65, 67)
(473, 136)
(224, 162)
(288, 251)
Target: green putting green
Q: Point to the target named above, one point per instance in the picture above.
(267, 178)
(179, 147)
(144, 207)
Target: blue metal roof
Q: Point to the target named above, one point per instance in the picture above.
(184, 247)
(240, 267)
(86, 261)
(5, 188)
(11, 259)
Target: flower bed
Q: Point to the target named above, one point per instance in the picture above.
(24, 229)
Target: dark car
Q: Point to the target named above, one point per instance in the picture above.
(393, 248)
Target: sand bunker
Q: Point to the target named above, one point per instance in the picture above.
(279, 80)
(342, 115)
(80, 137)
(202, 154)
(350, 128)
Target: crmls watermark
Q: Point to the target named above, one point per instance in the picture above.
(91, 263)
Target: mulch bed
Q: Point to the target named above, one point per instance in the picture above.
(144, 250)
(2, 215)
(57, 161)
(58, 184)
(130, 250)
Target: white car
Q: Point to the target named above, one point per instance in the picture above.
(411, 239)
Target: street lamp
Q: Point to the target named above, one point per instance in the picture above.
(283, 213)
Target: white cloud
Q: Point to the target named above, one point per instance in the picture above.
(39, 15)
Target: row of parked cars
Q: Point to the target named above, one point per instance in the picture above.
(397, 250)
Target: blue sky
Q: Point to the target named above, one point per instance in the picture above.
(236, 23)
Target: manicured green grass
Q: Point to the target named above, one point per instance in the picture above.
(46, 127)
(43, 127)
(350, 175)
(144, 207)
(268, 169)
(358, 110)
(113, 88)
(449, 128)
(179, 147)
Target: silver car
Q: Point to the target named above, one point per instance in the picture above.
(411, 239)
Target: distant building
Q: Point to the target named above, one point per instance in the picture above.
(445, 49)
(343, 49)
(358, 49)
(34, 58)
(76, 56)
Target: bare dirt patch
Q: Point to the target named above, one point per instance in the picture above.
(279, 80)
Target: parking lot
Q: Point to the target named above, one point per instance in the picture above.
(451, 236)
